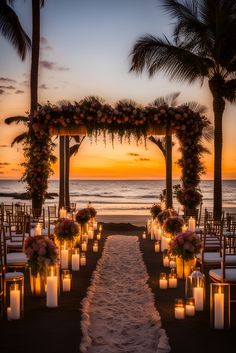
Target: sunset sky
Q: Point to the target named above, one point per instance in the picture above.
(85, 46)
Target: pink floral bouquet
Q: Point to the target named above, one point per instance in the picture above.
(173, 224)
(41, 253)
(83, 216)
(155, 210)
(162, 216)
(186, 245)
(66, 229)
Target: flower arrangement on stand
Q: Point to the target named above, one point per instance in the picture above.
(41, 253)
(155, 210)
(162, 216)
(185, 246)
(82, 217)
(66, 229)
(173, 225)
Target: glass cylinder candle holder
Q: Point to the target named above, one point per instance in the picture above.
(99, 236)
(179, 309)
(84, 237)
(172, 279)
(100, 228)
(165, 259)
(195, 288)
(220, 306)
(83, 260)
(95, 246)
(165, 241)
(172, 262)
(52, 287)
(62, 213)
(84, 246)
(157, 246)
(64, 257)
(66, 280)
(144, 235)
(38, 230)
(163, 284)
(15, 298)
(184, 228)
(190, 307)
(95, 225)
(75, 259)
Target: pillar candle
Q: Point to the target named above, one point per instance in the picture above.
(90, 234)
(64, 258)
(95, 247)
(172, 282)
(66, 284)
(198, 295)
(15, 303)
(144, 235)
(62, 213)
(52, 292)
(166, 262)
(37, 230)
(83, 260)
(99, 236)
(219, 310)
(191, 224)
(84, 246)
(190, 309)
(75, 262)
(172, 263)
(179, 313)
(95, 225)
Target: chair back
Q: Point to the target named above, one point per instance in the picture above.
(229, 255)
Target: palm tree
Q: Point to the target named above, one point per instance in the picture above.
(12, 30)
(36, 5)
(203, 47)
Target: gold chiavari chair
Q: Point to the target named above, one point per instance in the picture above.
(52, 218)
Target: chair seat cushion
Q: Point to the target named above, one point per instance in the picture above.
(230, 275)
(210, 257)
(16, 258)
(12, 275)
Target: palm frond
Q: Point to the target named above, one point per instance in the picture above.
(160, 143)
(170, 100)
(230, 90)
(178, 63)
(208, 133)
(20, 138)
(196, 107)
(16, 119)
(12, 30)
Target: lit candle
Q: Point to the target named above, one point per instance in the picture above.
(75, 261)
(95, 225)
(157, 246)
(219, 310)
(100, 228)
(52, 292)
(62, 213)
(83, 260)
(66, 282)
(165, 242)
(90, 233)
(99, 236)
(84, 237)
(95, 246)
(172, 262)
(37, 230)
(166, 261)
(184, 228)
(84, 246)
(64, 258)
(163, 281)
(190, 307)
(15, 302)
(191, 224)
(144, 235)
(172, 280)
(198, 295)
(9, 314)
(179, 312)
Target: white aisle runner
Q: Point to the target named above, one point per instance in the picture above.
(118, 313)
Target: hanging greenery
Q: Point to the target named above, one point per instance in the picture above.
(125, 119)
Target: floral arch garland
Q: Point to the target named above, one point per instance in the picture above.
(92, 116)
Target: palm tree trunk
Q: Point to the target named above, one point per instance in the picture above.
(37, 201)
(169, 201)
(62, 172)
(218, 108)
(67, 172)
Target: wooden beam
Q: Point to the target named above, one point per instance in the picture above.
(74, 130)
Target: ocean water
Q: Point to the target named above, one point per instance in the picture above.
(122, 197)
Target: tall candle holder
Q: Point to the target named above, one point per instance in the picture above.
(66, 280)
(75, 259)
(220, 306)
(52, 287)
(14, 297)
(195, 288)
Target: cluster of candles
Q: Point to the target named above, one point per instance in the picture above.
(170, 282)
(169, 260)
(184, 307)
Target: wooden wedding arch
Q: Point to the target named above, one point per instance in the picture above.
(92, 117)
